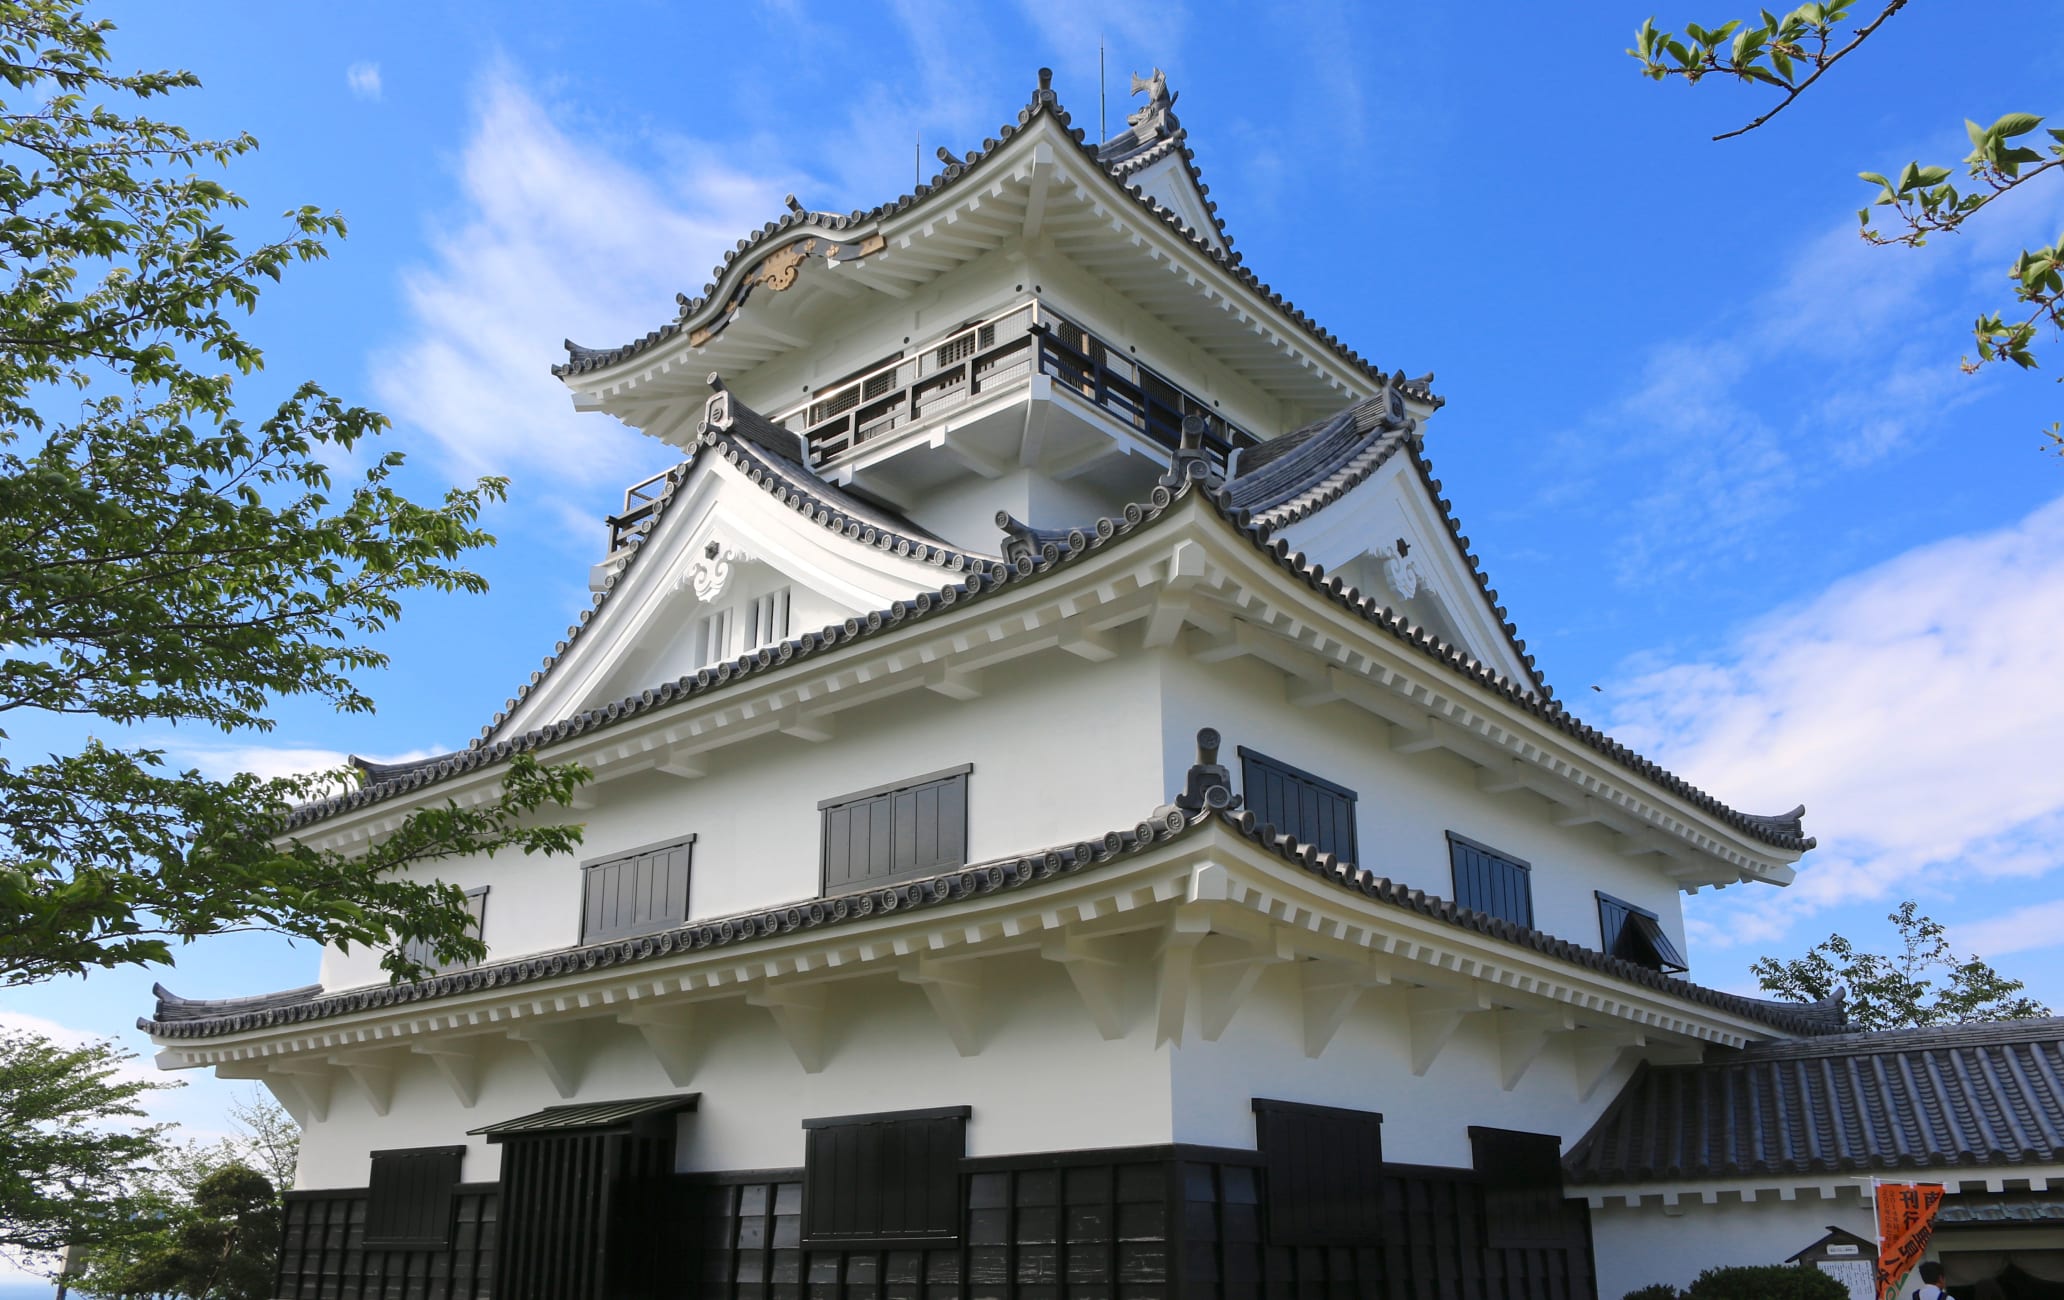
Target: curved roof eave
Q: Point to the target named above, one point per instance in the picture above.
(1785, 832)
(729, 275)
(179, 1018)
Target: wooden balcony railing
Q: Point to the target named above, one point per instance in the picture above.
(954, 369)
(640, 505)
(984, 357)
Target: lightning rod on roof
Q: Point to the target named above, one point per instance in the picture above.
(1103, 126)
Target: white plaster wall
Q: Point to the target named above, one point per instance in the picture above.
(1406, 803)
(1655, 1243)
(964, 511)
(1044, 1081)
(1063, 749)
(1367, 1066)
(1391, 505)
(679, 649)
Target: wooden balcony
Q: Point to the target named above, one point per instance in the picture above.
(640, 508)
(988, 357)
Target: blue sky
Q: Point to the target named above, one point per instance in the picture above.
(1715, 452)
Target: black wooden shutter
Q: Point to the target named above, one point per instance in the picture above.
(1492, 882)
(886, 1179)
(1325, 1173)
(409, 1198)
(1522, 1182)
(1635, 934)
(420, 951)
(906, 831)
(1295, 802)
(638, 893)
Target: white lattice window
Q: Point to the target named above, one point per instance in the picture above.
(714, 631)
(769, 615)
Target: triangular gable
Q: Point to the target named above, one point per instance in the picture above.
(1168, 176)
(1389, 536)
(1353, 494)
(749, 550)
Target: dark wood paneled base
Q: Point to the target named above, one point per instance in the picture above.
(323, 1255)
(1142, 1223)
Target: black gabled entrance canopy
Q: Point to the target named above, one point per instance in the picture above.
(590, 1117)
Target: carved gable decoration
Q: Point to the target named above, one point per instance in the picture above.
(1389, 537)
(747, 552)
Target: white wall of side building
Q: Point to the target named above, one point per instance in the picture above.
(1636, 1247)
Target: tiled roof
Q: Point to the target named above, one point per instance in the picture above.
(753, 444)
(1783, 831)
(178, 1017)
(1962, 1096)
(1127, 153)
(2007, 1208)
(174, 1009)
(584, 1116)
(234, 1015)
(797, 224)
(1287, 479)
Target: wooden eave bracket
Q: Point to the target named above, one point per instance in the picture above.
(1522, 1036)
(373, 1072)
(798, 1012)
(1331, 988)
(1433, 1014)
(458, 1062)
(301, 1088)
(669, 1034)
(954, 989)
(558, 1049)
(1596, 1054)
(1226, 972)
(1098, 978)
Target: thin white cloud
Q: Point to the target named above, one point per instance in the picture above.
(364, 80)
(1833, 356)
(558, 237)
(1912, 708)
(2039, 925)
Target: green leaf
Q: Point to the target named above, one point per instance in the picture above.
(2013, 124)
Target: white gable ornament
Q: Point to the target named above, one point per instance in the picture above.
(1401, 572)
(708, 576)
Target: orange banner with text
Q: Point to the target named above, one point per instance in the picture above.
(1906, 1217)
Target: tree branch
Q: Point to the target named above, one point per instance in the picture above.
(1822, 63)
